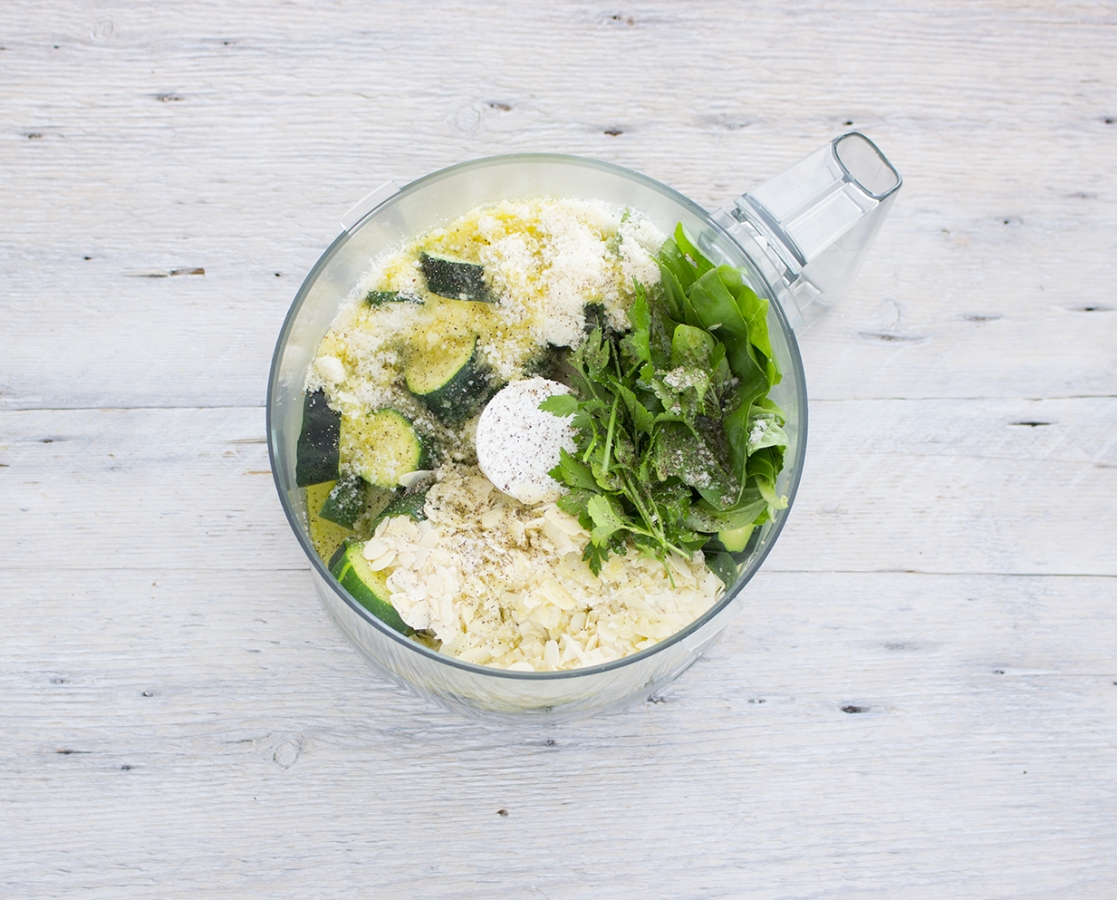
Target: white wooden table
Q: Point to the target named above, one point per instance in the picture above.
(920, 699)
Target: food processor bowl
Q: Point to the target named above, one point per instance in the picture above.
(436, 200)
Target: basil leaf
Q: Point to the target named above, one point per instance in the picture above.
(691, 346)
(718, 312)
(755, 312)
(704, 517)
(765, 430)
(764, 468)
(680, 453)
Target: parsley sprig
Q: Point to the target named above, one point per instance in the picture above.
(676, 439)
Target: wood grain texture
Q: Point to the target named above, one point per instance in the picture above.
(920, 697)
(899, 734)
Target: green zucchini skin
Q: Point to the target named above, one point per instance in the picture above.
(379, 298)
(457, 396)
(316, 454)
(404, 505)
(346, 501)
(455, 278)
(367, 587)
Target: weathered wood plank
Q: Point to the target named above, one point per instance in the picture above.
(997, 486)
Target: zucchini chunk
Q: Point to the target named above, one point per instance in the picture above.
(381, 446)
(455, 278)
(451, 380)
(736, 539)
(326, 536)
(367, 587)
(316, 454)
(346, 501)
(379, 298)
(405, 504)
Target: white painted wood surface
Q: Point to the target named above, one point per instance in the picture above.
(177, 715)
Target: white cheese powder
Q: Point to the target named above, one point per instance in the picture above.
(518, 443)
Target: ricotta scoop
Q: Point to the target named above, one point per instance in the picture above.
(518, 443)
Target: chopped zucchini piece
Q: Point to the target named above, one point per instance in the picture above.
(326, 536)
(450, 379)
(346, 501)
(367, 587)
(378, 298)
(736, 539)
(455, 278)
(381, 446)
(316, 454)
(406, 504)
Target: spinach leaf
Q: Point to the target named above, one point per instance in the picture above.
(682, 240)
(681, 453)
(724, 566)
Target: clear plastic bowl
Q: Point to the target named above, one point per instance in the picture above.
(436, 200)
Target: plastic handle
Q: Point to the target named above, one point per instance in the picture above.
(815, 221)
(814, 203)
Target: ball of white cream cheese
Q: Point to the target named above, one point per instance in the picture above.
(518, 443)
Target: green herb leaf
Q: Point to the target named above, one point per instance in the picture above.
(764, 468)
(607, 518)
(642, 417)
(595, 556)
(639, 316)
(561, 405)
(684, 243)
(676, 437)
(765, 430)
(594, 352)
(724, 566)
(682, 453)
(691, 346)
(717, 310)
(573, 472)
(704, 517)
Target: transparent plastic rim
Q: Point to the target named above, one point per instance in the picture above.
(795, 467)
